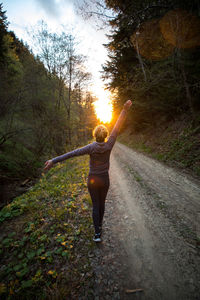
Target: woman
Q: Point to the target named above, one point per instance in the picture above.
(98, 178)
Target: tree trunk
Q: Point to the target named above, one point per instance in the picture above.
(140, 59)
(69, 99)
(188, 94)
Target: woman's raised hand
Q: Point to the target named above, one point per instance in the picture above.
(48, 164)
(127, 104)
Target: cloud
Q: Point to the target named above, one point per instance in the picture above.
(51, 7)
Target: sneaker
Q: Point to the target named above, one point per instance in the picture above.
(97, 238)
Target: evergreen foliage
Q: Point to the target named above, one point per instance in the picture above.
(152, 63)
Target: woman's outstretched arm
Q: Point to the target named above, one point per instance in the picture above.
(120, 120)
(77, 152)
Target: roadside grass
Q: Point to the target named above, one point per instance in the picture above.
(186, 149)
(46, 237)
(138, 144)
(181, 146)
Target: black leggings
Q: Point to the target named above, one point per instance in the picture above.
(98, 186)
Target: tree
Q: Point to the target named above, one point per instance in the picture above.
(3, 31)
(58, 52)
(96, 10)
(144, 61)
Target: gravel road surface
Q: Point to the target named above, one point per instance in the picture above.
(151, 232)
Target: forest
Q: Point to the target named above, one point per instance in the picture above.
(151, 237)
(154, 59)
(45, 107)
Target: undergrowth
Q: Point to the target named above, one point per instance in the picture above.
(16, 161)
(45, 237)
(169, 145)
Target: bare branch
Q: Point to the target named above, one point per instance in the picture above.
(96, 10)
(100, 14)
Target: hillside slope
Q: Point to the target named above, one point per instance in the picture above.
(175, 142)
(46, 237)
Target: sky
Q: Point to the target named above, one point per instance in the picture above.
(59, 14)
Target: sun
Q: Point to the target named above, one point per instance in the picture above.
(103, 107)
(103, 110)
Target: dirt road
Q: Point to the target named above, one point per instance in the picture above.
(150, 233)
